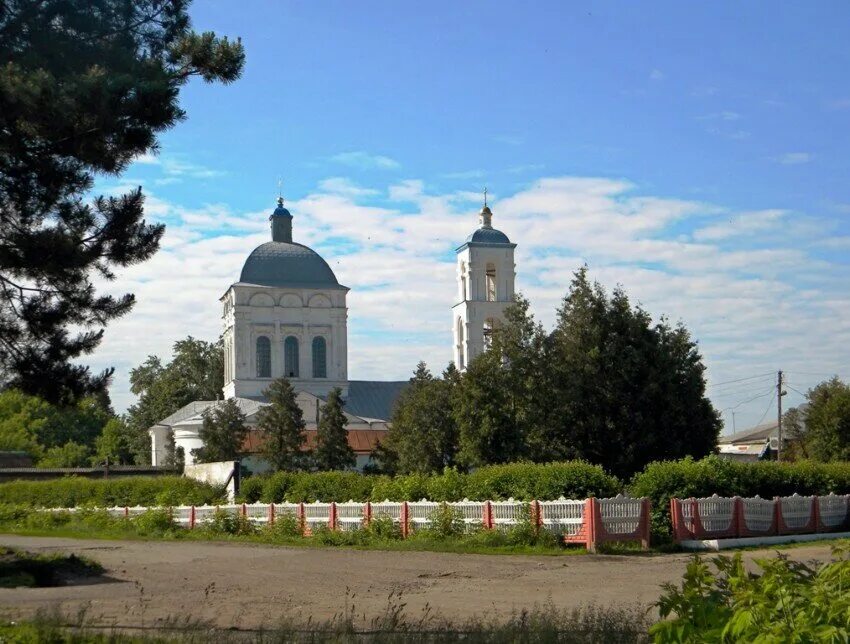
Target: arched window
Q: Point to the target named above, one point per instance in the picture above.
(264, 357)
(490, 277)
(320, 357)
(463, 281)
(290, 357)
(460, 364)
(490, 327)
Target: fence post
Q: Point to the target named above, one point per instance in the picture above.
(332, 516)
(536, 519)
(590, 514)
(404, 520)
(738, 517)
(647, 524)
(367, 513)
(302, 520)
(126, 512)
(271, 513)
(780, 520)
(244, 511)
(192, 517)
(816, 513)
(488, 515)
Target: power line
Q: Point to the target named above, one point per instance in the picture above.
(797, 390)
(744, 402)
(729, 382)
(769, 405)
(816, 373)
(743, 390)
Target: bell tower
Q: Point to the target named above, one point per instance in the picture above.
(485, 275)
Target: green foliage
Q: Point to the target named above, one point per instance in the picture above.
(689, 478)
(788, 602)
(223, 433)
(332, 449)
(68, 455)
(223, 522)
(64, 436)
(826, 421)
(286, 526)
(73, 491)
(523, 481)
(195, 372)
(86, 88)
(606, 386)
(155, 522)
(423, 435)
(115, 444)
(282, 424)
(446, 523)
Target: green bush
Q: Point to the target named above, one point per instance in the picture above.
(788, 602)
(446, 523)
(524, 481)
(285, 527)
(74, 491)
(223, 522)
(154, 522)
(687, 478)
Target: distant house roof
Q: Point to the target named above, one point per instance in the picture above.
(362, 441)
(758, 434)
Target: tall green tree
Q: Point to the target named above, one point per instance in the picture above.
(223, 433)
(114, 445)
(283, 427)
(195, 372)
(333, 451)
(86, 86)
(625, 391)
(503, 400)
(825, 421)
(423, 435)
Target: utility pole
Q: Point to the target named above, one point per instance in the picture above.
(779, 394)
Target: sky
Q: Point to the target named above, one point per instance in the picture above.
(695, 154)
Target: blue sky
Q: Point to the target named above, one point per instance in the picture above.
(696, 154)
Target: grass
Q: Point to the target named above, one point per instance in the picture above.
(586, 625)
(19, 568)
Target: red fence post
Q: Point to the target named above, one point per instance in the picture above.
(332, 516)
(404, 520)
(592, 527)
(302, 520)
(488, 515)
(126, 512)
(271, 513)
(646, 527)
(367, 513)
(244, 511)
(192, 517)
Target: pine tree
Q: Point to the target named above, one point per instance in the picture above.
(86, 87)
(223, 433)
(423, 434)
(333, 451)
(282, 423)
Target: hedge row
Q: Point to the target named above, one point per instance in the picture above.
(74, 491)
(689, 478)
(523, 481)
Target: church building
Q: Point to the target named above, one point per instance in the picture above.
(287, 316)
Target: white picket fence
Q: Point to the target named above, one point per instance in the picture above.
(622, 518)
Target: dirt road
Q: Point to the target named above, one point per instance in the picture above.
(247, 585)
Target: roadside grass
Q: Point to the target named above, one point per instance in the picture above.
(586, 625)
(19, 568)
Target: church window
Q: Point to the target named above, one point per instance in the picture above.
(460, 361)
(290, 357)
(490, 276)
(320, 357)
(463, 282)
(264, 357)
(490, 326)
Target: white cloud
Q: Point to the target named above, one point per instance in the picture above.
(364, 160)
(657, 75)
(343, 186)
(747, 223)
(793, 158)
